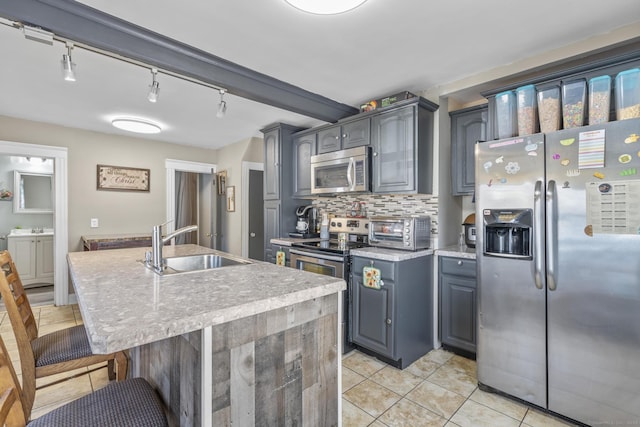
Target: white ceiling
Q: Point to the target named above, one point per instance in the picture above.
(380, 48)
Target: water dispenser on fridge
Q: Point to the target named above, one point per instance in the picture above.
(508, 233)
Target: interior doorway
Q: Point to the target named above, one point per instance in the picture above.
(253, 210)
(199, 179)
(60, 209)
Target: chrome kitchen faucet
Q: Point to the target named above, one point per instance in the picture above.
(154, 258)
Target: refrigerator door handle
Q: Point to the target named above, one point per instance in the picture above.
(538, 223)
(552, 235)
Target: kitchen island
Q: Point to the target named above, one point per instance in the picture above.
(243, 345)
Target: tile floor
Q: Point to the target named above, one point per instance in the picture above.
(439, 389)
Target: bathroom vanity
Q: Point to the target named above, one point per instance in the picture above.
(248, 344)
(32, 252)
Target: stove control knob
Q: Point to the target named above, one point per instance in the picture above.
(406, 243)
(406, 230)
(333, 224)
(339, 224)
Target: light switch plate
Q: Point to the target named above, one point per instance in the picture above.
(94, 223)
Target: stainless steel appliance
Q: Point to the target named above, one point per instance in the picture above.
(331, 258)
(558, 244)
(307, 224)
(409, 233)
(469, 224)
(344, 171)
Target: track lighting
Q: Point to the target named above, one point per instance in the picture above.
(68, 67)
(154, 88)
(222, 107)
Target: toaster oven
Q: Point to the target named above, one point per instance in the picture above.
(408, 233)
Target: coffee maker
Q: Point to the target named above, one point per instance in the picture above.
(307, 225)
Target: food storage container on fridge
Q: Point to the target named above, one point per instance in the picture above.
(573, 103)
(628, 94)
(599, 99)
(527, 110)
(506, 114)
(549, 109)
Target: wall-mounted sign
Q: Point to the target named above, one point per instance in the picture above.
(122, 178)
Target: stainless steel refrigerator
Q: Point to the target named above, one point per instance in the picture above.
(558, 249)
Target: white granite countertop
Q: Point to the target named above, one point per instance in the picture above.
(457, 251)
(124, 304)
(389, 254)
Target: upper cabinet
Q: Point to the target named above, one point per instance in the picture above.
(468, 126)
(304, 146)
(272, 144)
(344, 136)
(402, 143)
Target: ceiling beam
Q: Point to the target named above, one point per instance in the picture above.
(82, 24)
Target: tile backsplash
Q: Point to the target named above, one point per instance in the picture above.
(383, 205)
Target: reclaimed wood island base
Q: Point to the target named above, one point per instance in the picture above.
(246, 345)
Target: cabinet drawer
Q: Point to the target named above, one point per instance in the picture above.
(387, 268)
(458, 266)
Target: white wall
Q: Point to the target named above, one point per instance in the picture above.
(117, 211)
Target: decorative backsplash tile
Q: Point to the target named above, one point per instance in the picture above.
(383, 205)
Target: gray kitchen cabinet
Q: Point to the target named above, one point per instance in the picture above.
(346, 135)
(394, 322)
(279, 206)
(304, 146)
(468, 126)
(402, 142)
(458, 305)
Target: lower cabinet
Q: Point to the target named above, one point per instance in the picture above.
(458, 304)
(33, 256)
(394, 321)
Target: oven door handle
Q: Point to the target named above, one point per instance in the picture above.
(314, 255)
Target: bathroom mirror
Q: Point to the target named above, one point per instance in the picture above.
(33, 192)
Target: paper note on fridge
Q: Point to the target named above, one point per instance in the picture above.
(591, 149)
(614, 207)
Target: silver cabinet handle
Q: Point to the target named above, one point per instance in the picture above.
(375, 154)
(388, 321)
(252, 234)
(459, 262)
(350, 170)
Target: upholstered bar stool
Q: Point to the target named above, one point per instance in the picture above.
(60, 351)
(127, 403)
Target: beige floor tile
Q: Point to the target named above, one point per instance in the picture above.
(399, 381)
(74, 388)
(52, 327)
(454, 380)
(472, 414)
(57, 377)
(363, 364)
(450, 424)
(539, 419)
(371, 397)
(437, 399)
(501, 404)
(463, 364)
(63, 315)
(439, 356)
(423, 367)
(350, 378)
(376, 423)
(352, 416)
(408, 414)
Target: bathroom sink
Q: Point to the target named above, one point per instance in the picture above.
(183, 264)
(30, 231)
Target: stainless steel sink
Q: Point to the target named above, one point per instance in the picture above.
(183, 264)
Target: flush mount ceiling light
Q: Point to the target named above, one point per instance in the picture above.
(222, 107)
(325, 7)
(68, 67)
(136, 125)
(154, 88)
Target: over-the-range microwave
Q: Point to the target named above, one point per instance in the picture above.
(344, 171)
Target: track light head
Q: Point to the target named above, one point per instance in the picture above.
(154, 88)
(222, 106)
(68, 67)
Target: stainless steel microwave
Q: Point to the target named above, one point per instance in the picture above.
(344, 171)
(408, 233)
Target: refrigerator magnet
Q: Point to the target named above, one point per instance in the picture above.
(625, 158)
(565, 162)
(556, 156)
(631, 138)
(628, 172)
(599, 175)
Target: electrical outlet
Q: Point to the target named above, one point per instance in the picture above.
(94, 223)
